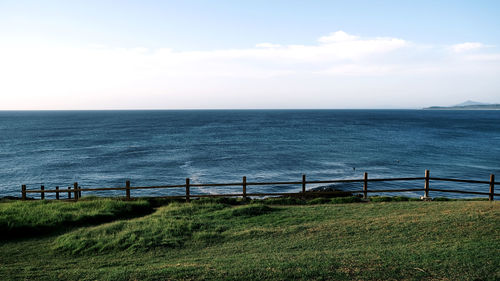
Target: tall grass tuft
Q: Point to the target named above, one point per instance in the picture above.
(32, 218)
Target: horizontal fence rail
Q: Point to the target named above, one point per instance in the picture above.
(76, 191)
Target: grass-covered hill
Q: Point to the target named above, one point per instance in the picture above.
(274, 239)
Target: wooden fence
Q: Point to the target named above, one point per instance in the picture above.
(76, 191)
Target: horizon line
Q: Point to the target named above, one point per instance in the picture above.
(212, 109)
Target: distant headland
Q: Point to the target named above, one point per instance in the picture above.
(468, 105)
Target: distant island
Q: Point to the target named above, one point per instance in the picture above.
(468, 105)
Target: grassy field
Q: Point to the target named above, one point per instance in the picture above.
(321, 239)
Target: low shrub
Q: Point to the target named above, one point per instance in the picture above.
(220, 200)
(320, 200)
(283, 201)
(250, 210)
(342, 200)
(391, 199)
(441, 199)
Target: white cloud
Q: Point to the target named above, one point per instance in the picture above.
(359, 70)
(484, 57)
(338, 64)
(339, 36)
(467, 46)
(267, 45)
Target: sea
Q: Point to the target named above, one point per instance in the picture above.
(164, 147)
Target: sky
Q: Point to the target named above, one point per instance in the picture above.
(212, 54)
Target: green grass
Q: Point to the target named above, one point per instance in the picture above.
(231, 240)
(23, 219)
(171, 227)
(392, 199)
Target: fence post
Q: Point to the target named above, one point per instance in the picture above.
(69, 192)
(426, 187)
(127, 189)
(75, 187)
(492, 187)
(23, 192)
(42, 194)
(303, 183)
(57, 192)
(187, 190)
(244, 188)
(365, 186)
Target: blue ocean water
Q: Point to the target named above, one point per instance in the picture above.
(106, 148)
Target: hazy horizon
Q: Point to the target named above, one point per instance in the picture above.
(221, 109)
